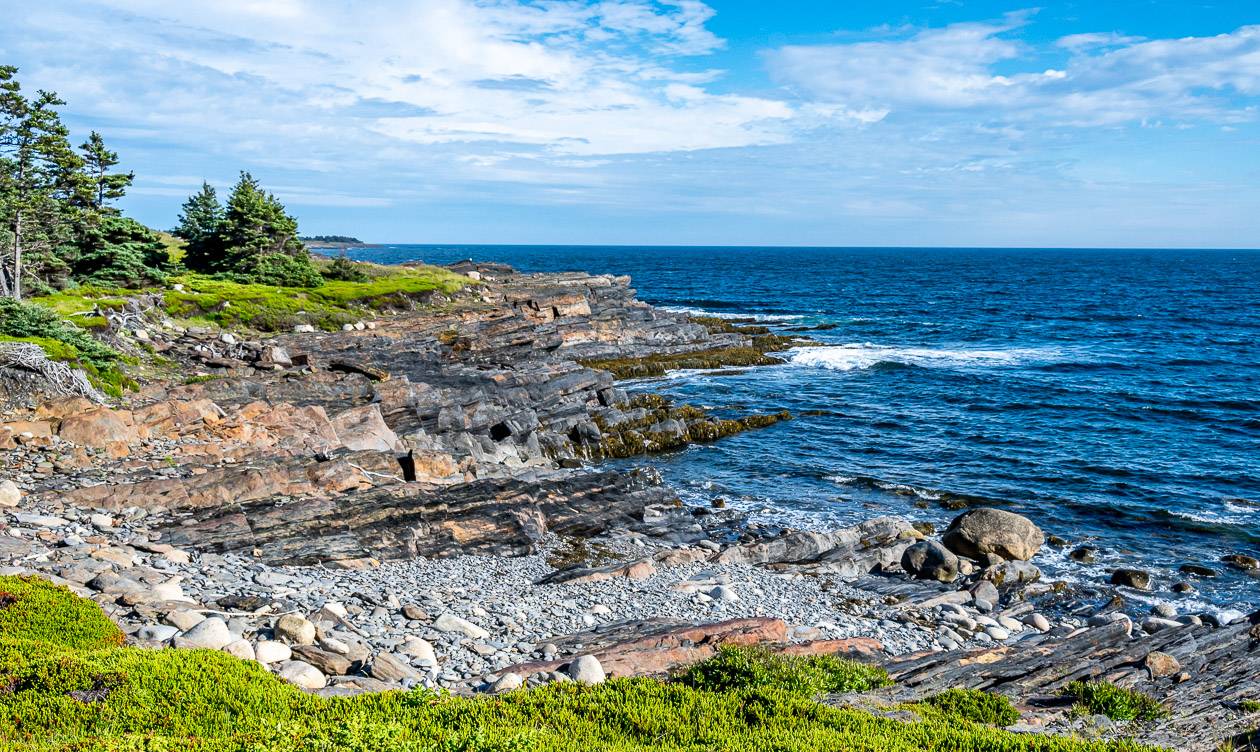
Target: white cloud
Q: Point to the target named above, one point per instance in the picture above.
(1107, 78)
(566, 76)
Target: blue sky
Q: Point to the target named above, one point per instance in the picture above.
(937, 122)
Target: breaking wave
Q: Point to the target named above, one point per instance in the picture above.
(855, 357)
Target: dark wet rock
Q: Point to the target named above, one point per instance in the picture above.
(1135, 578)
(1197, 570)
(1242, 561)
(993, 531)
(1084, 554)
(929, 560)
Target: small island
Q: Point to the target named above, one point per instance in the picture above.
(316, 242)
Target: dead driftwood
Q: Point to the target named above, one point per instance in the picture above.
(20, 360)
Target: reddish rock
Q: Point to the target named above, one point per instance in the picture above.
(655, 648)
(99, 428)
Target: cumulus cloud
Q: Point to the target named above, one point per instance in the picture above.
(1106, 79)
(566, 76)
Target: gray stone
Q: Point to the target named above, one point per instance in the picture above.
(211, 634)
(270, 651)
(389, 667)
(450, 623)
(241, 649)
(508, 682)
(156, 633)
(586, 669)
(295, 630)
(10, 494)
(303, 675)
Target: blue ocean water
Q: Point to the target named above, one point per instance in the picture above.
(1111, 395)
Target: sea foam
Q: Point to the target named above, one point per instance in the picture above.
(854, 357)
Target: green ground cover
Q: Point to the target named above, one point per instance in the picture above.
(65, 685)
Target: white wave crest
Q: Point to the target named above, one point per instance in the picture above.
(854, 357)
(732, 315)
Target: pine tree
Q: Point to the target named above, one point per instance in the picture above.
(105, 186)
(257, 241)
(199, 221)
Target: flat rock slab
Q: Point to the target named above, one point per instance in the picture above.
(655, 647)
(1216, 669)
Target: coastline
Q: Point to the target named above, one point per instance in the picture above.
(231, 496)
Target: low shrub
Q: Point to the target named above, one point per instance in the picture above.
(745, 668)
(35, 609)
(1117, 703)
(81, 693)
(974, 705)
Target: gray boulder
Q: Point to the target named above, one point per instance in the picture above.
(993, 531)
(587, 670)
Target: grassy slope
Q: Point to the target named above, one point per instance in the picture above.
(264, 307)
(53, 643)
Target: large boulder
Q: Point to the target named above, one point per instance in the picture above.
(99, 428)
(993, 531)
(929, 560)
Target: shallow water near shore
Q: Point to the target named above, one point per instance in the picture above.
(1112, 396)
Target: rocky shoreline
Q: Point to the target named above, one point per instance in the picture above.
(417, 500)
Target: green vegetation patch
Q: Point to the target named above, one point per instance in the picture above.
(328, 306)
(64, 686)
(753, 668)
(974, 705)
(65, 342)
(37, 610)
(1117, 703)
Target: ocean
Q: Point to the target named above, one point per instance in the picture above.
(1113, 396)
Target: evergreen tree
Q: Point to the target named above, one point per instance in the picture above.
(257, 241)
(120, 252)
(199, 221)
(54, 201)
(37, 169)
(104, 186)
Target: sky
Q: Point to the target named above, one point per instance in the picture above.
(1126, 123)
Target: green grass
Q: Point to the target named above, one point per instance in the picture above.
(64, 686)
(1249, 706)
(974, 705)
(1117, 703)
(264, 307)
(328, 306)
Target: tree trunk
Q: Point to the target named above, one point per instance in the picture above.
(17, 256)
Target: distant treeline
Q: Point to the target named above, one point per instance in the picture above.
(331, 239)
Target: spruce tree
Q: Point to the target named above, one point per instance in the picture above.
(199, 221)
(120, 252)
(257, 241)
(104, 186)
(38, 168)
